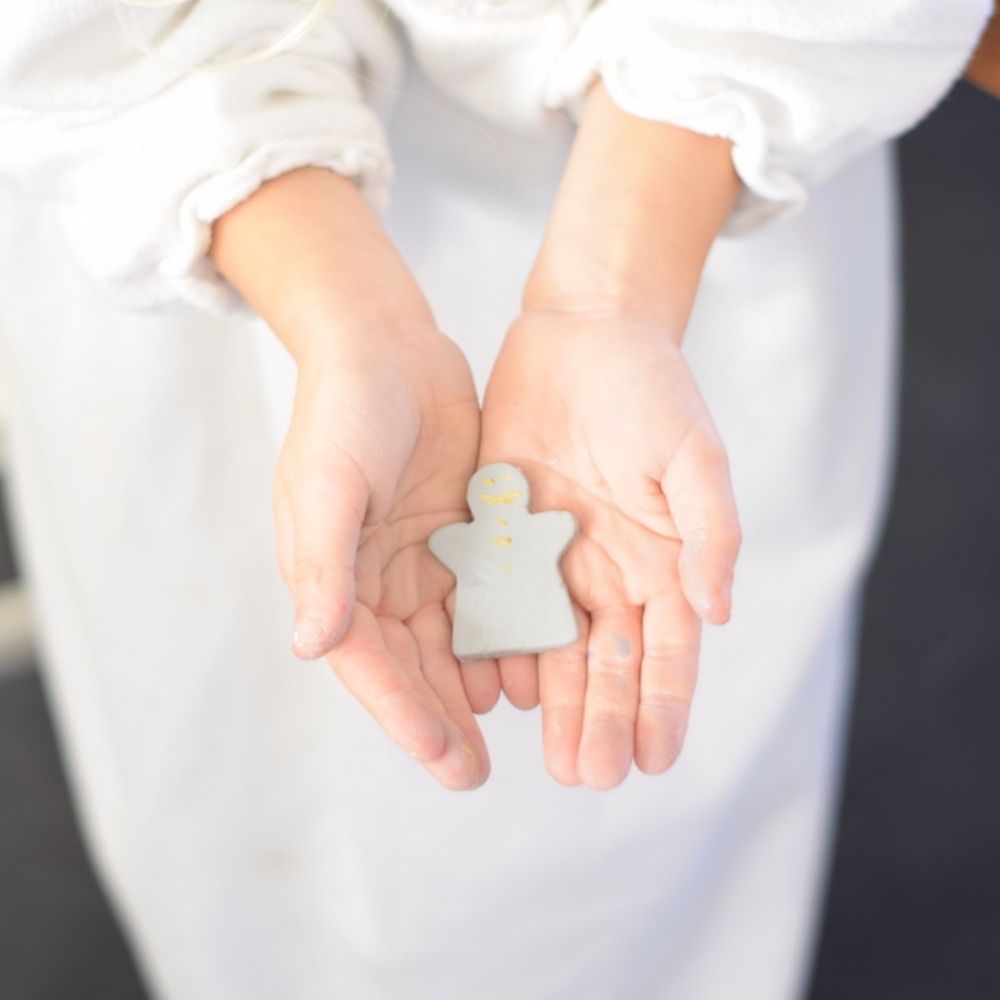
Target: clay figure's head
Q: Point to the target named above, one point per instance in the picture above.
(497, 489)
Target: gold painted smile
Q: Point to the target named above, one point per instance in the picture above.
(500, 499)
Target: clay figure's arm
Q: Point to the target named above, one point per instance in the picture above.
(553, 530)
(450, 544)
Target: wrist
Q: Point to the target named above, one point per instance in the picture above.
(587, 330)
(558, 283)
(638, 208)
(308, 254)
(323, 327)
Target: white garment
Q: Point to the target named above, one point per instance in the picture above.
(140, 154)
(258, 834)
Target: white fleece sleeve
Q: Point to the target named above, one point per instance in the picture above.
(140, 152)
(799, 86)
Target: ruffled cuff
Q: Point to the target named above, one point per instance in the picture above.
(139, 152)
(140, 214)
(796, 103)
(186, 273)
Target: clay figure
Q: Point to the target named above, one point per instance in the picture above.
(510, 595)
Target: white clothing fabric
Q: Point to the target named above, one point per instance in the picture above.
(257, 833)
(140, 154)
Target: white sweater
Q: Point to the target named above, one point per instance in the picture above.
(140, 154)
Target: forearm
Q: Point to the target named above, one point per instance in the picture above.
(308, 254)
(984, 68)
(638, 208)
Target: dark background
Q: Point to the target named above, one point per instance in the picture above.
(914, 905)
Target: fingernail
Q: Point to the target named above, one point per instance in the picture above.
(464, 757)
(310, 637)
(473, 758)
(715, 609)
(706, 607)
(669, 741)
(677, 720)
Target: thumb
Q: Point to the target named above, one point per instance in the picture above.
(328, 501)
(700, 496)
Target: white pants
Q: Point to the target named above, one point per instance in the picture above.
(258, 835)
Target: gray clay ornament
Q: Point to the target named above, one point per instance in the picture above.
(510, 596)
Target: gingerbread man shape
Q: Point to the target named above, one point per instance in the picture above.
(510, 596)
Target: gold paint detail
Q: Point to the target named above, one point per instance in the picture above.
(488, 481)
(506, 567)
(507, 475)
(502, 521)
(502, 541)
(499, 500)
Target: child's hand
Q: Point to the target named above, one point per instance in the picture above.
(378, 455)
(382, 441)
(591, 396)
(603, 414)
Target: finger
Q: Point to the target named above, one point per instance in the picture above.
(519, 680)
(614, 652)
(562, 686)
(671, 634)
(432, 631)
(458, 767)
(284, 524)
(699, 493)
(375, 676)
(329, 501)
(481, 678)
